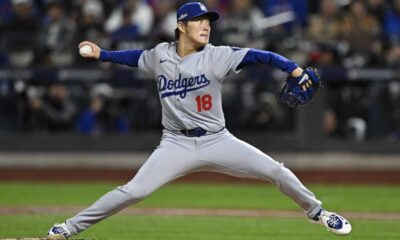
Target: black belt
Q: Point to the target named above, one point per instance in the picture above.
(195, 132)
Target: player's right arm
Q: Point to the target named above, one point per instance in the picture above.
(125, 57)
(95, 50)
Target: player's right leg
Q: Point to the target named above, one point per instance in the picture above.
(174, 157)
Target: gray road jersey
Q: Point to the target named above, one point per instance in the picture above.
(190, 87)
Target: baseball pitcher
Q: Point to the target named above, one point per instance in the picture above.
(189, 75)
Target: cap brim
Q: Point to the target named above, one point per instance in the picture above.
(213, 16)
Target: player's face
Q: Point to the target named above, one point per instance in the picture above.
(198, 30)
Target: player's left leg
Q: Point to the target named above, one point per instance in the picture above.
(232, 156)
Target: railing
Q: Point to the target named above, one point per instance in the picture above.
(303, 130)
(96, 73)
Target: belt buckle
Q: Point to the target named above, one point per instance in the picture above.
(188, 132)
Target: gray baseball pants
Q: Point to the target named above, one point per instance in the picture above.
(178, 155)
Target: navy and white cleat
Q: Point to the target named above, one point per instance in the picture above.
(59, 232)
(333, 222)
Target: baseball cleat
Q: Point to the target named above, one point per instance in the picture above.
(333, 222)
(59, 232)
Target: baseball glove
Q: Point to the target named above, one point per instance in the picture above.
(299, 91)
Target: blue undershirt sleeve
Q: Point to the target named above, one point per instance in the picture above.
(126, 57)
(265, 57)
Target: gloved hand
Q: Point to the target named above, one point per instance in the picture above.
(299, 91)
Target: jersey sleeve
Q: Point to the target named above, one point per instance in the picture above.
(147, 61)
(270, 58)
(225, 60)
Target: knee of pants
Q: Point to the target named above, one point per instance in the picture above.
(136, 192)
(274, 172)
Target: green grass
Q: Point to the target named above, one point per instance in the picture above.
(198, 228)
(121, 227)
(340, 198)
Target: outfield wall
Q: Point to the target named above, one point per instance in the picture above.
(133, 160)
(327, 167)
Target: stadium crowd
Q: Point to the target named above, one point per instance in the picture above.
(326, 33)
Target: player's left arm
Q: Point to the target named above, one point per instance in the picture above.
(300, 86)
(254, 56)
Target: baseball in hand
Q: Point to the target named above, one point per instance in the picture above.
(85, 50)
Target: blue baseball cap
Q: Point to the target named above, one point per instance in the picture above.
(193, 10)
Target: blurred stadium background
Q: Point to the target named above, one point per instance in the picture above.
(60, 111)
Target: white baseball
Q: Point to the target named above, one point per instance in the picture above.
(85, 50)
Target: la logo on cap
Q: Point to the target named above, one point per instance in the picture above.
(192, 10)
(202, 7)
